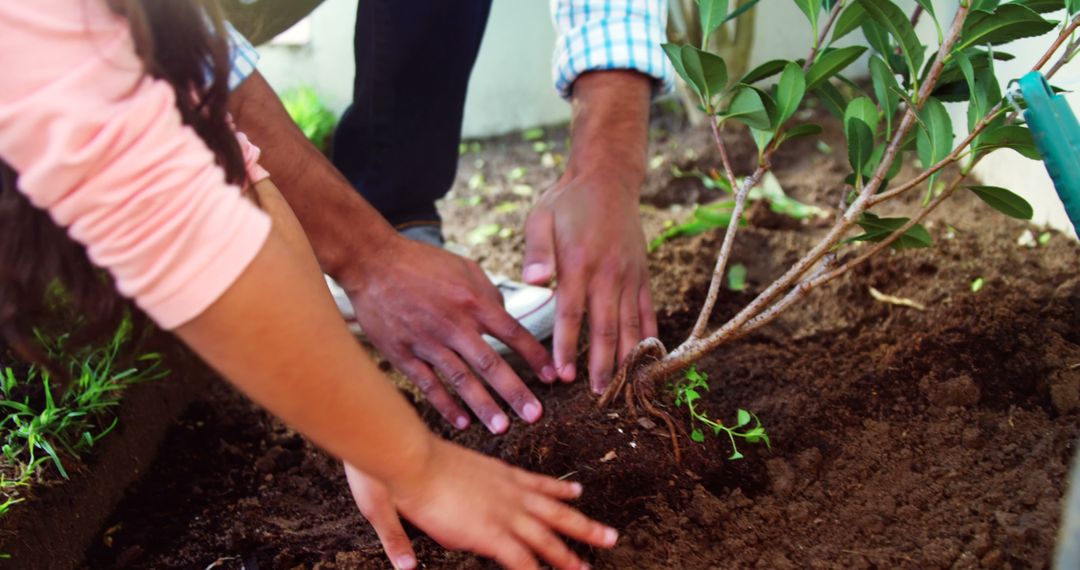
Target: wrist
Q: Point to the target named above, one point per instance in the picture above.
(609, 130)
(352, 258)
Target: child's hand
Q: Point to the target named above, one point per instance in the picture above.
(467, 501)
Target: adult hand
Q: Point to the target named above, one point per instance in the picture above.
(466, 501)
(425, 309)
(586, 230)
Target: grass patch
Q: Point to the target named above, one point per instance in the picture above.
(45, 430)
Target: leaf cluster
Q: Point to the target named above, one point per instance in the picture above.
(899, 63)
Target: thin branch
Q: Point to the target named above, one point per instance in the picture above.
(728, 171)
(1057, 43)
(833, 14)
(725, 252)
(950, 159)
(740, 197)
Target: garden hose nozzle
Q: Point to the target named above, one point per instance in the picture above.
(1057, 136)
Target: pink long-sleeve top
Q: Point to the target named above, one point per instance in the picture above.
(101, 146)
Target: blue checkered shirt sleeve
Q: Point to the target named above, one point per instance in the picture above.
(610, 34)
(244, 57)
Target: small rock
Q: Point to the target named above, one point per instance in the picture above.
(646, 423)
(608, 456)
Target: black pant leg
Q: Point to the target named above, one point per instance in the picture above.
(398, 141)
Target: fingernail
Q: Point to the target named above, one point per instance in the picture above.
(531, 412)
(577, 488)
(406, 562)
(534, 272)
(499, 423)
(585, 566)
(549, 374)
(567, 372)
(462, 422)
(611, 536)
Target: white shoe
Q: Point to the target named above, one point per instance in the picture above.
(532, 306)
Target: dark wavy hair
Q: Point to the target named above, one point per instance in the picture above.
(182, 42)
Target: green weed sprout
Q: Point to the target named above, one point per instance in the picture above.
(688, 392)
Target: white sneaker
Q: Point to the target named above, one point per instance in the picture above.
(532, 306)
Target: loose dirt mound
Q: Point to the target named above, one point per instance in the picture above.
(901, 438)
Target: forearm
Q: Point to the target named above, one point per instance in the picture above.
(276, 336)
(609, 130)
(341, 226)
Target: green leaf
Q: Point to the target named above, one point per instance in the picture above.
(878, 229)
(860, 128)
(984, 5)
(849, 20)
(697, 435)
(1073, 6)
(834, 100)
(893, 19)
(764, 71)
(736, 277)
(1015, 137)
(830, 63)
(1009, 22)
(812, 9)
(741, 10)
(742, 418)
(674, 54)
(713, 14)
(1042, 6)
(707, 72)
(1004, 201)
(799, 131)
(885, 88)
(977, 284)
(790, 92)
(735, 456)
(934, 140)
(748, 109)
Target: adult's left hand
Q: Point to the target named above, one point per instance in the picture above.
(586, 230)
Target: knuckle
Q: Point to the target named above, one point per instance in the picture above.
(607, 332)
(569, 312)
(513, 331)
(457, 377)
(632, 322)
(487, 362)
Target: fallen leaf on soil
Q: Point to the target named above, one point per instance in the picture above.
(646, 423)
(903, 302)
(608, 456)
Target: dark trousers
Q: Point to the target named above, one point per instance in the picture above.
(398, 141)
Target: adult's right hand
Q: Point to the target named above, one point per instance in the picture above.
(426, 310)
(467, 501)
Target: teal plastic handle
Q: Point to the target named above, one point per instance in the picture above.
(1057, 136)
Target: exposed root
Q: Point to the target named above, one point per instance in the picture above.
(637, 387)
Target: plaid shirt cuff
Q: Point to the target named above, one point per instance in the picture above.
(610, 34)
(244, 57)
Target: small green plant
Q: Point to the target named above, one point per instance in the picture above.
(688, 392)
(309, 113)
(43, 427)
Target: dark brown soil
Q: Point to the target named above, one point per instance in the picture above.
(901, 438)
